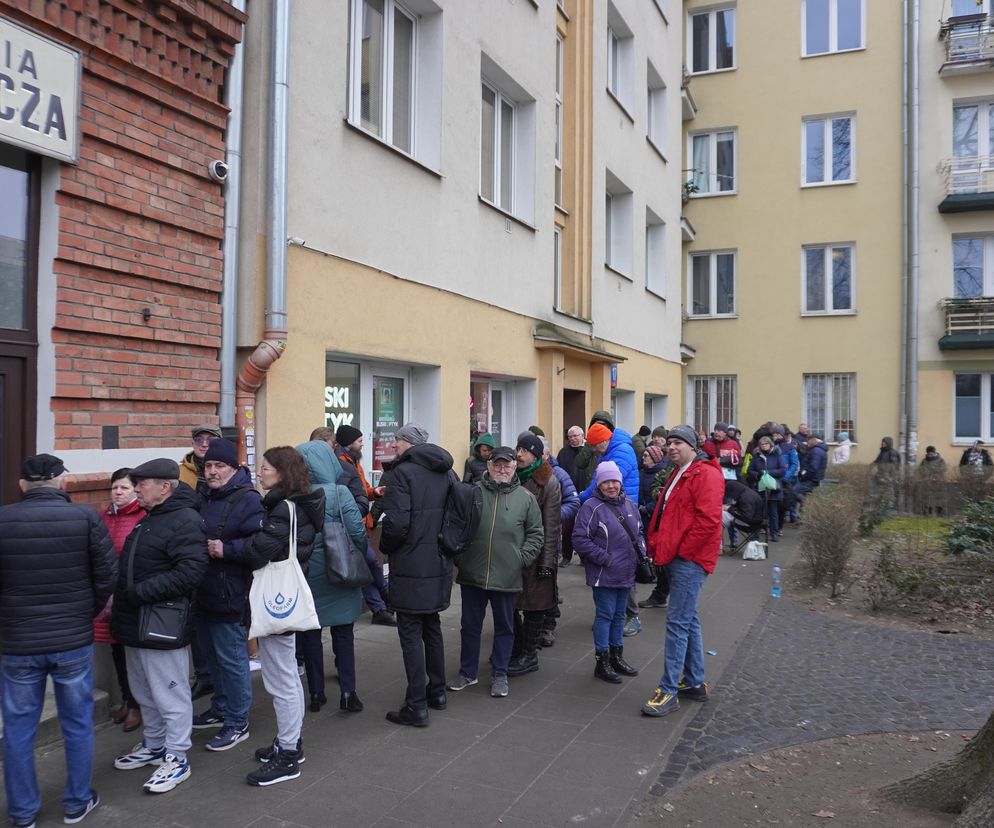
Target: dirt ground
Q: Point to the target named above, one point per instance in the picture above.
(834, 782)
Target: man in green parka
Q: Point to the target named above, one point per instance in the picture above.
(489, 572)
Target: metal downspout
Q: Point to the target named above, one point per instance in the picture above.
(905, 222)
(270, 349)
(232, 206)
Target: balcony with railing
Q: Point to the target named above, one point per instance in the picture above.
(969, 183)
(688, 105)
(969, 323)
(969, 42)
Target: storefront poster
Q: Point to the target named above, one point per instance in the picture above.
(388, 411)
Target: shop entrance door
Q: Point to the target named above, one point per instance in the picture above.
(13, 426)
(488, 402)
(574, 410)
(387, 391)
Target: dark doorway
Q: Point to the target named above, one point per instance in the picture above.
(574, 410)
(13, 430)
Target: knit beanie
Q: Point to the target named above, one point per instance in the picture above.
(685, 433)
(598, 433)
(534, 429)
(660, 431)
(655, 454)
(644, 431)
(607, 470)
(532, 443)
(412, 433)
(222, 451)
(347, 435)
(844, 435)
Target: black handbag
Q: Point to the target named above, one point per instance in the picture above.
(645, 570)
(344, 566)
(162, 625)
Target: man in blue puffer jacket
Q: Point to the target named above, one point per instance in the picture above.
(232, 512)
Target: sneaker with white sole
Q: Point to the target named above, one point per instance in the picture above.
(72, 817)
(283, 767)
(499, 687)
(633, 626)
(139, 757)
(202, 721)
(169, 774)
(460, 682)
(228, 736)
(268, 753)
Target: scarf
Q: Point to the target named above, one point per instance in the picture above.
(525, 474)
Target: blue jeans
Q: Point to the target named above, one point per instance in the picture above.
(609, 616)
(376, 593)
(224, 645)
(684, 652)
(23, 693)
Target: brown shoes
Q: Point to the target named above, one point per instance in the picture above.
(133, 720)
(120, 714)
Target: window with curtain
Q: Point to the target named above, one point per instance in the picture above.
(713, 156)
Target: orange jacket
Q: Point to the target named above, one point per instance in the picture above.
(345, 457)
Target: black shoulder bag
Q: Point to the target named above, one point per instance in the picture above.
(645, 570)
(162, 625)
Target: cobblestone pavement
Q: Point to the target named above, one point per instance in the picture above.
(801, 677)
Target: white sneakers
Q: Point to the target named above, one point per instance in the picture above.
(168, 775)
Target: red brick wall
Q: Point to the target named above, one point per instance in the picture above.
(140, 221)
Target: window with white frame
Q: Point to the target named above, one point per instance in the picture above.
(558, 181)
(827, 278)
(973, 266)
(395, 60)
(620, 59)
(973, 407)
(655, 253)
(827, 149)
(713, 157)
(507, 143)
(655, 122)
(973, 147)
(710, 400)
(965, 8)
(618, 228)
(557, 267)
(830, 404)
(711, 36)
(832, 26)
(712, 283)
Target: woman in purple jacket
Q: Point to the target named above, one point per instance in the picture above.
(605, 535)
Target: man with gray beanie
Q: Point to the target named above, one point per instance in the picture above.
(685, 537)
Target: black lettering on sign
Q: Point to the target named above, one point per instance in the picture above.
(34, 94)
(27, 66)
(54, 119)
(6, 112)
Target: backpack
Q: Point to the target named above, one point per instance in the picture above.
(460, 516)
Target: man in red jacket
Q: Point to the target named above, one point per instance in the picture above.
(685, 537)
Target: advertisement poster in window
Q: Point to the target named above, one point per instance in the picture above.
(341, 394)
(388, 412)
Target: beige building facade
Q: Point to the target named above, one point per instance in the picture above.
(793, 168)
(450, 167)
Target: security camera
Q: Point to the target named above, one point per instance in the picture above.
(218, 170)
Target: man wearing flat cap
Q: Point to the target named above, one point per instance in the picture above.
(685, 537)
(57, 570)
(232, 512)
(509, 539)
(164, 559)
(191, 467)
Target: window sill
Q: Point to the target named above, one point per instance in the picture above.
(608, 266)
(388, 146)
(621, 104)
(656, 293)
(658, 150)
(569, 315)
(695, 196)
(834, 52)
(506, 214)
(662, 14)
(712, 71)
(692, 318)
(817, 184)
(811, 314)
(562, 211)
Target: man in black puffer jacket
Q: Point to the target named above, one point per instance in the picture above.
(57, 569)
(232, 512)
(164, 558)
(420, 575)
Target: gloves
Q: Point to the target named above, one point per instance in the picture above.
(544, 572)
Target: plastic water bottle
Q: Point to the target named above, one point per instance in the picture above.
(775, 585)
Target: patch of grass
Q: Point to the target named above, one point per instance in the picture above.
(932, 528)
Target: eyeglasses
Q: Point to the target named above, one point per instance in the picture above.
(202, 440)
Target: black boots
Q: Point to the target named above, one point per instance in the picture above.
(604, 670)
(350, 703)
(527, 661)
(619, 664)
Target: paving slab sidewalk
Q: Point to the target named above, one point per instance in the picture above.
(562, 748)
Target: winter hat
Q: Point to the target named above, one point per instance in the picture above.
(721, 427)
(660, 431)
(347, 435)
(412, 433)
(607, 470)
(655, 454)
(213, 430)
(531, 442)
(598, 433)
(644, 431)
(42, 467)
(779, 429)
(603, 417)
(485, 439)
(222, 451)
(844, 435)
(685, 433)
(536, 431)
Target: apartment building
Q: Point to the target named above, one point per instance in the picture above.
(956, 218)
(479, 223)
(793, 166)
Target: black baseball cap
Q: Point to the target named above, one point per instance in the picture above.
(503, 453)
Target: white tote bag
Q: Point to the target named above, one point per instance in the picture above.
(280, 598)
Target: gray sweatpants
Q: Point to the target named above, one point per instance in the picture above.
(277, 654)
(159, 683)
